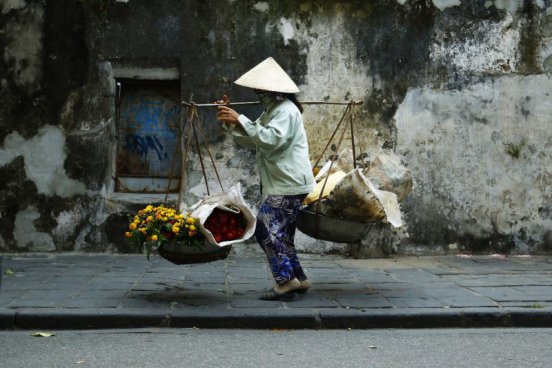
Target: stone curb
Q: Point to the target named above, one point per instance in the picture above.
(71, 319)
(531, 318)
(247, 319)
(83, 319)
(7, 319)
(399, 319)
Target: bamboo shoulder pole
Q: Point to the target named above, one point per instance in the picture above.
(184, 103)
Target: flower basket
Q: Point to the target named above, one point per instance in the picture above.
(180, 254)
(177, 237)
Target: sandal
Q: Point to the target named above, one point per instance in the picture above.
(305, 286)
(271, 294)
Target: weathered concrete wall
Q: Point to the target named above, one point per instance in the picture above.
(458, 89)
(478, 138)
(493, 173)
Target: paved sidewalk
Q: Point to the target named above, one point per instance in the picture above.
(80, 291)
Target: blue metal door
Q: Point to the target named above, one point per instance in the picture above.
(148, 118)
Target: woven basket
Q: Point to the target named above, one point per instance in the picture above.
(179, 254)
(323, 227)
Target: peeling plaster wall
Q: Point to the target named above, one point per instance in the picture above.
(25, 50)
(458, 89)
(27, 236)
(334, 73)
(47, 191)
(44, 158)
(493, 173)
(496, 51)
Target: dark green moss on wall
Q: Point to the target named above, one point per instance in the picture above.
(16, 194)
(65, 52)
(530, 38)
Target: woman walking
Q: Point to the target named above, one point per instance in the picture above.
(283, 163)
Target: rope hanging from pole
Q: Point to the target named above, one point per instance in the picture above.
(347, 110)
(193, 117)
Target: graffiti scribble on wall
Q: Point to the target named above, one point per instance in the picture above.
(149, 114)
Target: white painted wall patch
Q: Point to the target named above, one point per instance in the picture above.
(261, 6)
(443, 4)
(44, 156)
(26, 235)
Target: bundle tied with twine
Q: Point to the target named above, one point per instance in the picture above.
(348, 192)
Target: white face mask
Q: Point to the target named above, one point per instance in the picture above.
(264, 97)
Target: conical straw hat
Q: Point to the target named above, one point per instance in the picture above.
(268, 76)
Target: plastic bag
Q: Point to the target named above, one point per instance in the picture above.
(344, 162)
(333, 180)
(355, 198)
(230, 200)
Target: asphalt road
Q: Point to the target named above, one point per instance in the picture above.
(485, 348)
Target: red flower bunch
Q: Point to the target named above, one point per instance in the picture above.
(225, 225)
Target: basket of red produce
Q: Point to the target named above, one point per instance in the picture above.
(225, 225)
(204, 233)
(222, 226)
(176, 236)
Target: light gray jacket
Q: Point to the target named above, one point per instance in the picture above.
(279, 138)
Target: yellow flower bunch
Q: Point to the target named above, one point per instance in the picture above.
(154, 226)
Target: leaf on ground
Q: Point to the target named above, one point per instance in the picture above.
(43, 334)
(9, 272)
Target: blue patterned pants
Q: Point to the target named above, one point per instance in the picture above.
(275, 232)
